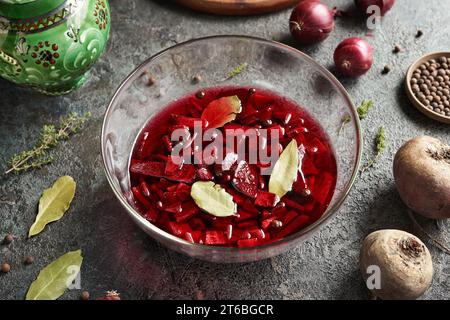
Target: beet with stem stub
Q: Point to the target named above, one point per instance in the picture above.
(422, 176)
(400, 261)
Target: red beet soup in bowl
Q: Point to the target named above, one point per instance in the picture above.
(231, 148)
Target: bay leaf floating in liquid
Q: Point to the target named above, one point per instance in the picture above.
(213, 199)
(285, 171)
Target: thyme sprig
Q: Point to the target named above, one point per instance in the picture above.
(238, 70)
(380, 146)
(51, 136)
(363, 111)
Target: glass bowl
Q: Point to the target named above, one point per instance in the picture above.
(169, 75)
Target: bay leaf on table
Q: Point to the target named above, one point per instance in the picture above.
(54, 203)
(55, 278)
(285, 171)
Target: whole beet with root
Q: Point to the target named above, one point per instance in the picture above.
(404, 265)
(422, 176)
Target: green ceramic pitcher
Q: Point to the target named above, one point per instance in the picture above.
(49, 45)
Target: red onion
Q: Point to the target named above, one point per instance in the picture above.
(353, 57)
(384, 5)
(311, 22)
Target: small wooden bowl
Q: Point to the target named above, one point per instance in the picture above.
(238, 7)
(422, 108)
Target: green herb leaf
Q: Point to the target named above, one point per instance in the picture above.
(221, 111)
(213, 199)
(55, 278)
(236, 71)
(285, 171)
(364, 108)
(380, 146)
(54, 203)
(51, 136)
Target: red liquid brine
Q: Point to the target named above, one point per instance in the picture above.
(162, 187)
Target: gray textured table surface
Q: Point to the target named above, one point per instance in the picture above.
(118, 255)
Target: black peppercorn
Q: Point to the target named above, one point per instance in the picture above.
(85, 295)
(8, 239)
(29, 260)
(5, 268)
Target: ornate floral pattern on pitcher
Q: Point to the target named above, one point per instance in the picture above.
(49, 45)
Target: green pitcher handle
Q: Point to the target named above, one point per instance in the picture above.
(6, 58)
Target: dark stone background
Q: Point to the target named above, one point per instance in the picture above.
(118, 255)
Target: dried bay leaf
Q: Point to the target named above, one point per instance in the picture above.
(285, 171)
(213, 199)
(221, 111)
(54, 203)
(55, 278)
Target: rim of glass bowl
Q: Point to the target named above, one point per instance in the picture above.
(330, 212)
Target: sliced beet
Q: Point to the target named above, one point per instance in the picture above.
(176, 196)
(197, 224)
(189, 210)
(247, 243)
(289, 217)
(245, 215)
(173, 164)
(145, 189)
(246, 178)
(249, 206)
(260, 101)
(280, 210)
(196, 105)
(277, 128)
(148, 168)
(229, 232)
(245, 225)
(188, 121)
(167, 143)
(143, 149)
(266, 224)
(151, 215)
(266, 214)
(188, 237)
(250, 120)
(266, 199)
(265, 114)
(178, 229)
(221, 111)
(298, 223)
(164, 184)
(262, 182)
(326, 185)
(221, 223)
(248, 108)
(172, 208)
(140, 198)
(157, 169)
(215, 238)
(237, 197)
(257, 233)
(293, 204)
